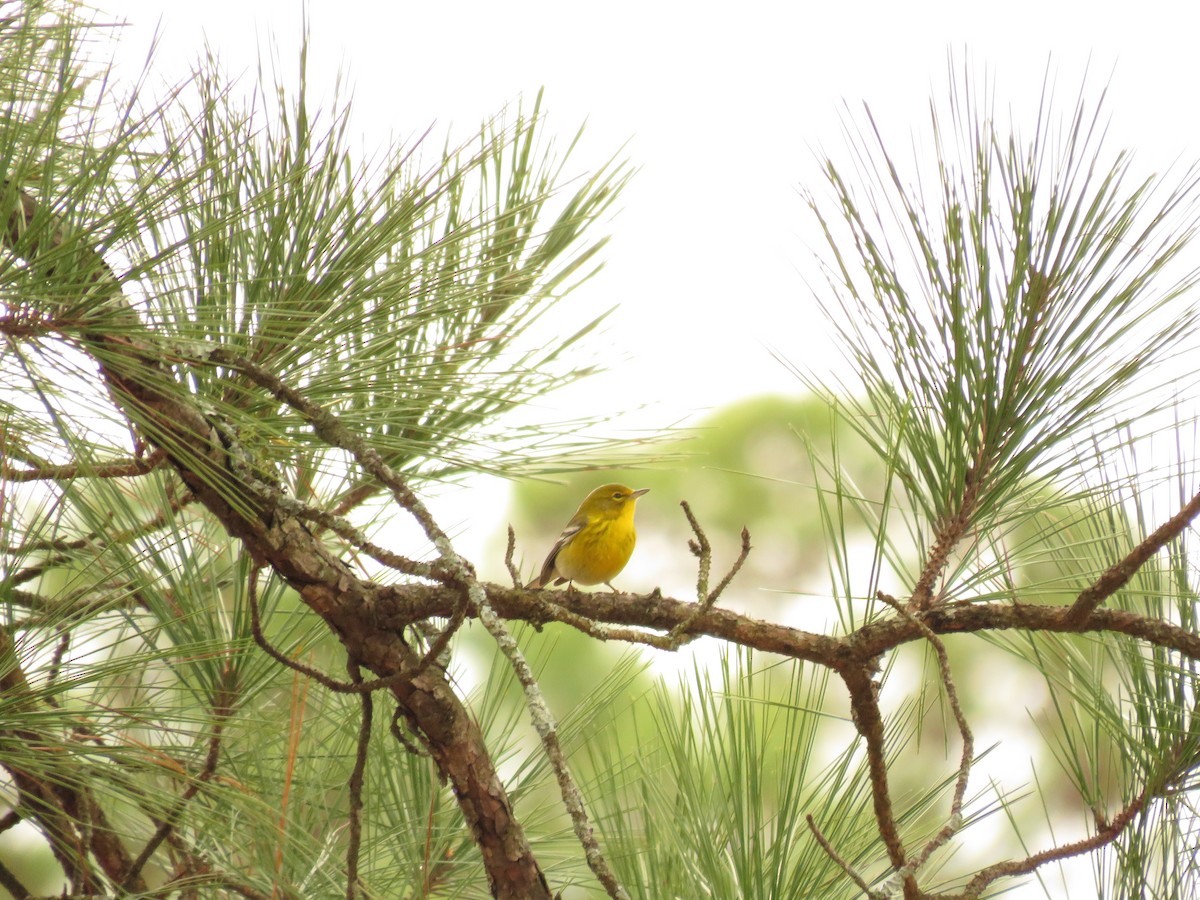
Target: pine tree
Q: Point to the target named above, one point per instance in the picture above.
(238, 361)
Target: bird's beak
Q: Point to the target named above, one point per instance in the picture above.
(639, 493)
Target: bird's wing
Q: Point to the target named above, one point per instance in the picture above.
(573, 528)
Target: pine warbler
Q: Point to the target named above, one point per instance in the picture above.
(597, 542)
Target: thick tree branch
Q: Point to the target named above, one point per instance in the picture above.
(142, 384)
(398, 605)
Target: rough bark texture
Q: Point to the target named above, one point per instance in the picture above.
(143, 385)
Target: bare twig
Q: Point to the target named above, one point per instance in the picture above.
(403, 740)
(75, 606)
(678, 635)
(743, 553)
(1105, 835)
(356, 787)
(223, 707)
(547, 729)
(11, 883)
(58, 545)
(116, 469)
(955, 820)
(864, 709)
(1118, 575)
(513, 572)
(60, 651)
(837, 858)
(339, 687)
(343, 529)
(38, 569)
(602, 631)
(326, 681)
(701, 550)
(267, 647)
(440, 642)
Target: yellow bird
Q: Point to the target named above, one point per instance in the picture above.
(597, 542)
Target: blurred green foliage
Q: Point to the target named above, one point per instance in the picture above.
(745, 464)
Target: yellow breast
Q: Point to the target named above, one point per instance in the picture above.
(599, 551)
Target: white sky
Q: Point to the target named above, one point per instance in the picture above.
(723, 112)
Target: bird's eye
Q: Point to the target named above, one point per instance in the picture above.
(617, 495)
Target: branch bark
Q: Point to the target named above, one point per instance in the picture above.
(370, 618)
(142, 384)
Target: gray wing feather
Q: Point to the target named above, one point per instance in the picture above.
(548, 567)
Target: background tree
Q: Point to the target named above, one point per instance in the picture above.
(238, 362)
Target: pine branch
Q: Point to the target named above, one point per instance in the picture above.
(211, 464)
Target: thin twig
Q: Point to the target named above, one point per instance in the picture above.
(1106, 835)
(547, 729)
(678, 635)
(223, 707)
(743, 553)
(60, 651)
(356, 787)
(58, 545)
(11, 883)
(403, 741)
(439, 644)
(1118, 575)
(326, 681)
(116, 469)
(701, 550)
(602, 631)
(837, 858)
(256, 631)
(344, 529)
(513, 572)
(955, 821)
